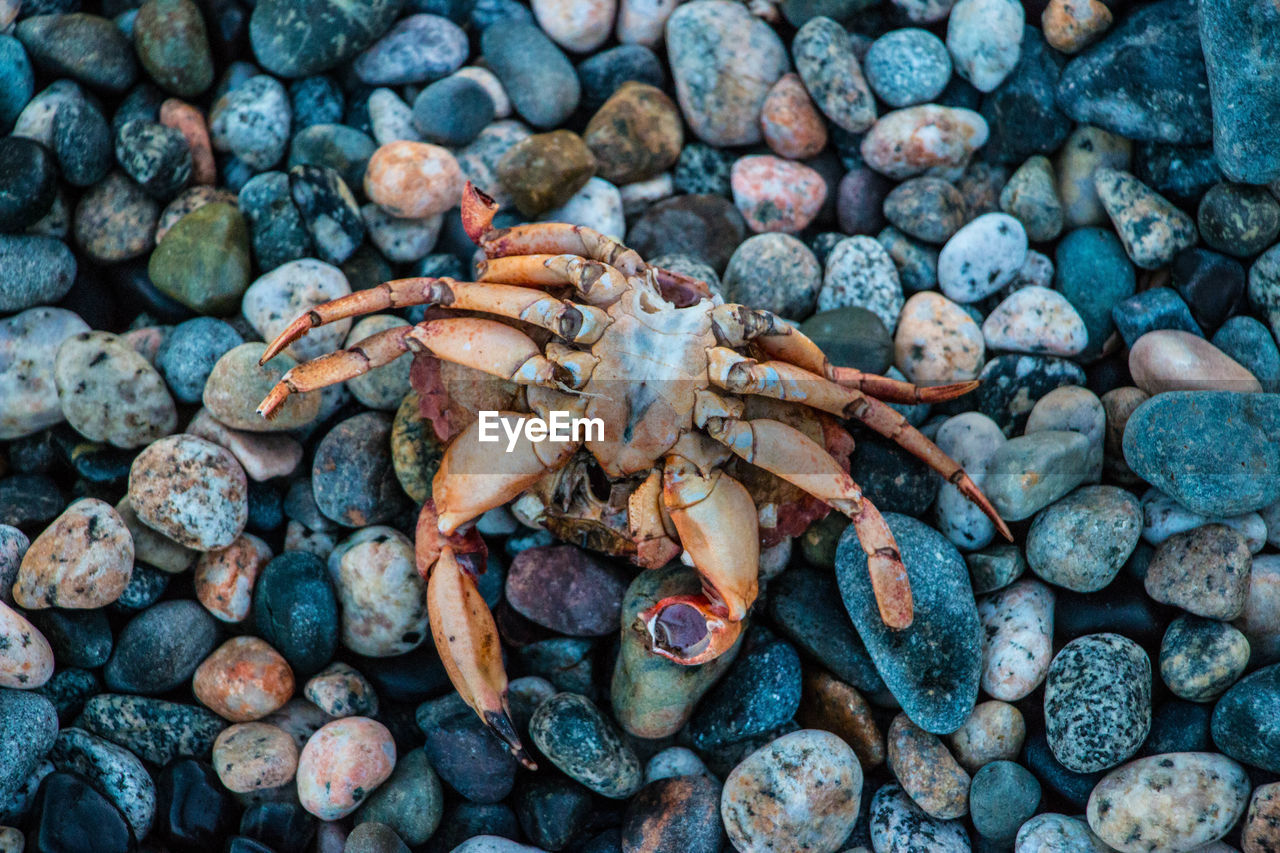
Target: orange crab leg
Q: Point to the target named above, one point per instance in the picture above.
(788, 453)
(715, 518)
(374, 351)
(895, 390)
(783, 381)
(599, 283)
(561, 238)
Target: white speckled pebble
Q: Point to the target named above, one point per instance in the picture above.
(252, 121)
(383, 598)
(1017, 641)
(985, 40)
(110, 393)
(191, 490)
(391, 118)
(28, 343)
(860, 272)
(276, 299)
(26, 659)
(1036, 320)
(936, 341)
(597, 205)
(969, 438)
(1076, 409)
(909, 141)
(401, 240)
(1169, 803)
(1057, 833)
(898, 825)
(981, 257)
(1162, 517)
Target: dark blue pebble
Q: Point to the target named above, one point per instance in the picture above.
(193, 810)
(760, 692)
(189, 352)
(1246, 720)
(1157, 308)
(143, 102)
(100, 463)
(564, 661)
(1069, 785)
(410, 677)
(1022, 112)
(1180, 173)
(80, 638)
(1178, 726)
(17, 81)
(283, 826)
(28, 182)
(34, 454)
(1212, 284)
(144, 589)
(602, 74)
(352, 476)
(465, 754)
(69, 689)
(892, 478)
(452, 111)
(703, 170)
(28, 727)
(1002, 796)
(538, 77)
(30, 501)
(552, 809)
(82, 142)
(266, 512)
(296, 611)
(486, 13)
(69, 815)
(161, 647)
(1117, 610)
(315, 100)
(1249, 342)
(276, 229)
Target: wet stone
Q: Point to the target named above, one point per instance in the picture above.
(341, 691)
(352, 475)
(1023, 111)
(193, 810)
(545, 170)
(1151, 228)
(1098, 702)
(944, 606)
(760, 692)
(827, 63)
(791, 124)
(552, 810)
(705, 227)
(469, 758)
(156, 157)
(276, 228)
(296, 611)
(901, 826)
(203, 261)
(1082, 541)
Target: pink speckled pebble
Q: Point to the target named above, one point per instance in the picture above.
(910, 141)
(224, 578)
(342, 764)
(413, 180)
(773, 194)
(244, 679)
(790, 122)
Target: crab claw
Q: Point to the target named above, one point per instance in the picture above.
(478, 210)
(689, 629)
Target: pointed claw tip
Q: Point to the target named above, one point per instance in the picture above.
(499, 722)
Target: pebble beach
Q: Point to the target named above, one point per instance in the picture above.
(214, 635)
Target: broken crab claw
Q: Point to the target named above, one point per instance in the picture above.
(689, 629)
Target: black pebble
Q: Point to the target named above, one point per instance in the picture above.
(28, 182)
(69, 815)
(193, 811)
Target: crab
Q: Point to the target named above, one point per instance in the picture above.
(684, 384)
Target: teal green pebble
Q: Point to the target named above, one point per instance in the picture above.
(203, 262)
(1093, 273)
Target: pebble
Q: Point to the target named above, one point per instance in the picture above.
(294, 45)
(759, 694)
(1097, 702)
(29, 342)
(907, 142)
(19, 79)
(173, 47)
(1201, 658)
(26, 659)
(1094, 274)
(860, 197)
(774, 272)
(1172, 360)
(190, 122)
(1238, 219)
(566, 589)
(1204, 571)
(29, 177)
(382, 387)
(160, 648)
(1056, 833)
(329, 211)
(1036, 320)
(190, 490)
(829, 67)
(400, 240)
(798, 792)
(419, 48)
(538, 77)
(706, 228)
(1087, 150)
(1030, 472)
(342, 764)
(1163, 517)
(1151, 228)
(1236, 49)
(1247, 342)
(790, 122)
(578, 739)
(545, 170)
(295, 609)
(1076, 409)
(984, 38)
(113, 770)
(926, 208)
(262, 456)
(352, 474)
(1209, 304)
(341, 691)
(598, 205)
(469, 758)
(577, 25)
(156, 157)
(995, 567)
(252, 121)
(110, 393)
(775, 194)
(635, 135)
(1017, 639)
(831, 705)
(994, 731)
(275, 299)
(1178, 802)
(244, 679)
(155, 730)
(1259, 831)
(237, 385)
(1083, 540)
(87, 48)
(413, 180)
(943, 605)
(1004, 796)
(64, 809)
(28, 728)
(981, 257)
(936, 341)
(224, 578)
(188, 201)
(604, 73)
(343, 149)
(203, 261)
(723, 62)
(678, 812)
(1031, 197)
(898, 825)
(452, 111)
(859, 272)
(927, 771)
(254, 756)
(907, 67)
(1181, 443)
(1072, 25)
(382, 597)
(82, 560)
(970, 439)
(410, 802)
(672, 762)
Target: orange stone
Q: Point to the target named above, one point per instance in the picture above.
(790, 122)
(1073, 25)
(224, 578)
(413, 180)
(342, 764)
(190, 122)
(773, 194)
(831, 705)
(243, 680)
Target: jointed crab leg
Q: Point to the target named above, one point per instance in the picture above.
(784, 381)
(599, 283)
(788, 453)
(895, 390)
(374, 351)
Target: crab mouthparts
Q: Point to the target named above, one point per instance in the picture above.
(680, 630)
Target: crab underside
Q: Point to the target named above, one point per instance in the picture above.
(721, 432)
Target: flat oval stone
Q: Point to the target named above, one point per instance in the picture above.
(934, 679)
(1036, 320)
(1204, 571)
(419, 48)
(237, 385)
(1029, 472)
(898, 825)
(26, 659)
(970, 438)
(342, 764)
(982, 257)
(927, 771)
(83, 560)
(253, 757)
(38, 270)
(1003, 796)
(907, 142)
(191, 490)
(798, 792)
(155, 730)
(295, 609)
(243, 680)
(1097, 702)
(680, 812)
(203, 260)
(1017, 644)
(1193, 446)
(383, 598)
(160, 648)
(86, 47)
(297, 45)
(723, 61)
(1174, 360)
(759, 693)
(1174, 802)
(828, 65)
(1082, 541)
(110, 393)
(352, 475)
(582, 742)
(995, 731)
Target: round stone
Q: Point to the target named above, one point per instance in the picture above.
(295, 609)
(253, 757)
(452, 111)
(775, 194)
(419, 48)
(172, 45)
(237, 385)
(189, 353)
(353, 478)
(936, 341)
(927, 208)
(1204, 571)
(110, 393)
(383, 598)
(1036, 320)
(791, 124)
(982, 257)
(913, 140)
(1004, 795)
(342, 764)
(582, 742)
(995, 731)
(160, 648)
(774, 272)
(1200, 658)
(537, 76)
(28, 182)
(1082, 541)
(224, 578)
(190, 490)
(26, 659)
(859, 272)
(203, 261)
(243, 680)
(898, 824)
(341, 691)
(252, 121)
(276, 299)
(1238, 219)
(155, 156)
(635, 135)
(908, 66)
(413, 180)
(985, 40)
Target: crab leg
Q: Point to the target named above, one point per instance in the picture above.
(486, 345)
(715, 518)
(735, 325)
(788, 453)
(783, 381)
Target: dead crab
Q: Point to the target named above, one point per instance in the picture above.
(679, 380)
